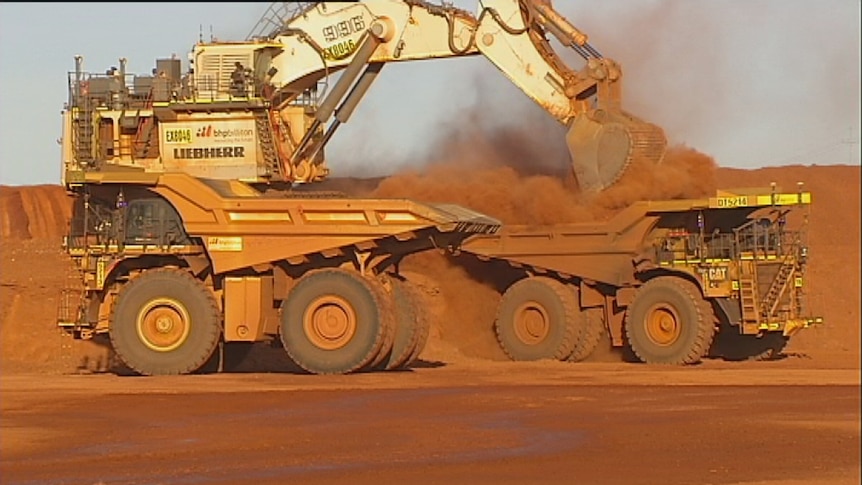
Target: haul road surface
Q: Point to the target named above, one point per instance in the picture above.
(477, 422)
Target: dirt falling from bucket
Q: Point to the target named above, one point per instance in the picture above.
(495, 179)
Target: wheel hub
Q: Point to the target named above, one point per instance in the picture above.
(663, 325)
(163, 324)
(532, 323)
(329, 322)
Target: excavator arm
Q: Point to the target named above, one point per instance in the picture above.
(360, 38)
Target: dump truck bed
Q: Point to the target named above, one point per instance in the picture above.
(240, 227)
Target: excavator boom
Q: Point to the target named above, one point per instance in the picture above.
(602, 138)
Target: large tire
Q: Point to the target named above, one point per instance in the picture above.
(669, 322)
(389, 323)
(164, 322)
(537, 319)
(335, 322)
(593, 329)
(410, 325)
(422, 322)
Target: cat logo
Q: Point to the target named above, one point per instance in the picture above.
(716, 273)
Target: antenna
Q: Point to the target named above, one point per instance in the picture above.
(850, 142)
(201, 33)
(212, 37)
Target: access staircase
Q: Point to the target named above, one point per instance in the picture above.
(278, 14)
(757, 305)
(263, 124)
(83, 132)
(776, 289)
(144, 132)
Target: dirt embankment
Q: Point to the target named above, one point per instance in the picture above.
(462, 296)
(34, 212)
(834, 247)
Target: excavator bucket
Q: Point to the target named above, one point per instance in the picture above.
(603, 144)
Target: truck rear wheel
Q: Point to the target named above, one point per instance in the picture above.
(593, 329)
(423, 327)
(410, 322)
(537, 319)
(334, 322)
(669, 322)
(165, 322)
(389, 323)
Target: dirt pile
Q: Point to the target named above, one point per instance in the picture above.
(35, 212)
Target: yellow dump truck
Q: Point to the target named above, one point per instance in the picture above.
(173, 266)
(671, 280)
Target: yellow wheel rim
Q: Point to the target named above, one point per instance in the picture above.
(532, 323)
(663, 326)
(329, 322)
(163, 324)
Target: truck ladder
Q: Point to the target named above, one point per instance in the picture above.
(776, 289)
(748, 299)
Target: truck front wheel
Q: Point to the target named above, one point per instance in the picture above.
(669, 322)
(165, 322)
(336, 322)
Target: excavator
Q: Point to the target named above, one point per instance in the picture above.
(263, 109)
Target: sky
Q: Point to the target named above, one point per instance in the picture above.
(751, 83)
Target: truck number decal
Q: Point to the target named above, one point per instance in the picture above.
(728, 202)
(340, 50)
(344, 28)
(183, 135)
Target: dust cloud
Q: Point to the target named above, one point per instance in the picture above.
(519, 176)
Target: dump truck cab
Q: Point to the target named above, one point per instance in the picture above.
(745, 253)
